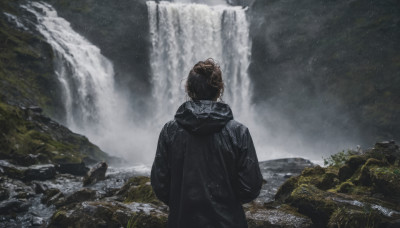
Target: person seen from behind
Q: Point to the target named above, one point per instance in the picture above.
(206, 165)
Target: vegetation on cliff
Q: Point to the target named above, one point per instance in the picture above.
(28, 137)
(26, 64)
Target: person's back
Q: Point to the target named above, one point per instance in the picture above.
(206, 165)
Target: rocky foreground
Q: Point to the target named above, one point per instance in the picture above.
(46, 182)
(357, 189)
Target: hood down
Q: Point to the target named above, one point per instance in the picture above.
(203, 117)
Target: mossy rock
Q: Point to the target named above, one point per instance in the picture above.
(356, 161)
(28, 137)
(107, 214)
(138, 189)
(314, 203)
(311, 171)
(386, 180)
(286, 189)
(345, 172)
(329, 180)
(27, 66)
(344, 217)
(142, 220)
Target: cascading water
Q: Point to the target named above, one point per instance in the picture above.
(93, 106)
(183, 34)
(86, 75)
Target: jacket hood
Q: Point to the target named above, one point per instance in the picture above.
(204, 116)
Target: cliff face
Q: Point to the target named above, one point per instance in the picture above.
(26, 64)
(331, 64)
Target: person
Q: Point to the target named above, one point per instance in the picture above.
(205, 165)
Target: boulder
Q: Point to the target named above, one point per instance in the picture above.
(387, 150)
(4, 193)
(13, 206)
(314, 203)
(345, 172)
(83, 194)
(35, 172)
(53, 196)
(97, 173)
(78, 169)
(138, 189)
(109, 214)
(354, 218)
(40, 172)
(283, 217)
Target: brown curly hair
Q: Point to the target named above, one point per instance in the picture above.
(205, 81)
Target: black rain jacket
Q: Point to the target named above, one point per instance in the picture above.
(205, 167)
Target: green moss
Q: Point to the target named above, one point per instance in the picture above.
(385, 180)
(26, 62)
(138, 189)
(21, 137)
(141, 220)
(286, 189)
(314, 203)
(344, 217)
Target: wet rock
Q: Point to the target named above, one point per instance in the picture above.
(276, 172)
(387, 150)
(4, 193)
(345, 172)
(35, 109)
(38, 221)
(277, 218)
(40, 187)
(15, 189)
(361, 193)
(385, 180)
(11, 170)
(53, 196)
(78, 169)
(329, 180)
(354, 218)
(40, 172)
(97, 173)
(356, 161)
(108, 214)
(138, 189)
(13, 206)
(84, 194)
(36, 172)
(314, 203)
(286, 189)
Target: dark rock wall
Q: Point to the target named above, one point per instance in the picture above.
(26, 64)
(329, 65)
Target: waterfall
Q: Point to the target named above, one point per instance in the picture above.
(86, 75)
(183, 34)
(93, 106)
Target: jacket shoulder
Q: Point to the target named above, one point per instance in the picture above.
(169, 130)
(236, 127)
